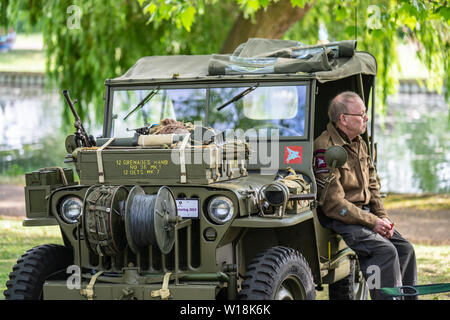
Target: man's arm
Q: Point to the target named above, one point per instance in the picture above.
(335, 205)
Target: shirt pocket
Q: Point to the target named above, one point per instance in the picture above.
(348, 176)
(365, 165)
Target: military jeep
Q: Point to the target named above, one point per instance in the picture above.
(201, 185)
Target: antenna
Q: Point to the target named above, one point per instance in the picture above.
(356, 21)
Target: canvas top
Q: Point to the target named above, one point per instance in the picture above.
(255, 58)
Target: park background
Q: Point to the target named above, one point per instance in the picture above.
(77, 45)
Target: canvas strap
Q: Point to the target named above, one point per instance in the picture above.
(89, 291)
(183, 159)
(61, 172)
(101, 174)
(217, 162)
(164, 292)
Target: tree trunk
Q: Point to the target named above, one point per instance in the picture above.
(271, 23)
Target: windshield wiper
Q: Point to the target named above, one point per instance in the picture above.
(238, 96)
(142, 103)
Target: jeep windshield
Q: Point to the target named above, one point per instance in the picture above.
(277, 110)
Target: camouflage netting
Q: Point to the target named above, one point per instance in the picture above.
(167, 126)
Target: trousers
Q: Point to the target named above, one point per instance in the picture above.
(394, 257)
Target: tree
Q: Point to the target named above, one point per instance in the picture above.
(89, 41)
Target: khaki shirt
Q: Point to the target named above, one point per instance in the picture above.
(355, 183)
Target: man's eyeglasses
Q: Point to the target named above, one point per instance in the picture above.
(362, 115)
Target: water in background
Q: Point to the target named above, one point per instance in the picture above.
(413, 144)
(30, 125)
(413, 139)
(32, 134)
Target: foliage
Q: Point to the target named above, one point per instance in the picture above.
(111, 36)
(381, 25)
(15, 240)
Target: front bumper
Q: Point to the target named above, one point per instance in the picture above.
(58, 290)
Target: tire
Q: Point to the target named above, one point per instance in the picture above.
(278, 273)
(352, 287)
(33, 268)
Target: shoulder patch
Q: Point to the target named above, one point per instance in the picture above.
(320, 162)
(319, 151)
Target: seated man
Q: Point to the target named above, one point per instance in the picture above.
(353, 207)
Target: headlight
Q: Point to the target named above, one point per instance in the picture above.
(220, 209)
(71, 209)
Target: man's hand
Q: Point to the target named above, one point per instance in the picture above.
(390, 232)
(384, 227)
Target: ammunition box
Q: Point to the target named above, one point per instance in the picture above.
(39, 185)
(48, 177)
(158, 166)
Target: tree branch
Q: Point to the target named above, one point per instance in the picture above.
(271, 23)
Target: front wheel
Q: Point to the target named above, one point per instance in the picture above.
(278, 273)
(33, 268)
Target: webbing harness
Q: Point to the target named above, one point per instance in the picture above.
(408, 291)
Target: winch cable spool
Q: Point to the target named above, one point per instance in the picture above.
(103, 220)
(149, 219)
(142, 224)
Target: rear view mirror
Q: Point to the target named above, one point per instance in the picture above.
(335, 153)
(335, 157)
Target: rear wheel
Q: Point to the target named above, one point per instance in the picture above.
(352, 287)
(278, 273)
(33, 268)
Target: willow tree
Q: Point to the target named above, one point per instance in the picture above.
(88, 41)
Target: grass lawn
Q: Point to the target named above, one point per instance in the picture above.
(433, 261)
(15, 240)
(433, 264)
(23, 61)
(418, 202)
(27, 55)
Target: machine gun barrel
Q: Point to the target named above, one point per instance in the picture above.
(80, 133)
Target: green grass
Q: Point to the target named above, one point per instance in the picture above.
(417, 201)
(27, 55)
(15, 240)
(433, 261)
(23, 61)
(433, 264)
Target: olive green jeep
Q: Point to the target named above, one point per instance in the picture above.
(201, 185)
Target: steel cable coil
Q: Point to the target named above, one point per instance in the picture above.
(142, 220)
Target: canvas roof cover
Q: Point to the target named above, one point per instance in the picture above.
(326, 62)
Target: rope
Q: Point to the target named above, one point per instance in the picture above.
(142, 220)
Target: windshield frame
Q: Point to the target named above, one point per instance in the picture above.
(110, 89)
